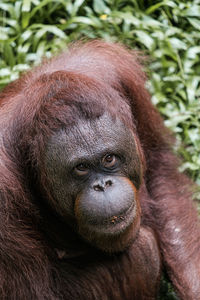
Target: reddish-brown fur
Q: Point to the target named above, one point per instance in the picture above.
(30, 267)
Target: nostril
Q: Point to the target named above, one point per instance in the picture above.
(108, 183)
(98, 187)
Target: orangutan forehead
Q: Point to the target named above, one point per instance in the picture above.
(88, 138)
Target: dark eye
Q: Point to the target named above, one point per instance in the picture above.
(109, 160)
(81, 169)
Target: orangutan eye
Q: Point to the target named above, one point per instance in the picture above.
(81, 169)
(109, 161)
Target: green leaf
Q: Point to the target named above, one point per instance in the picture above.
(188, 165)
(177, 43)
(195, 23)
(145, 39)
(3, 34)
(25, 19)
(87, 21)
(75, 7)
(26, 5)
(192, 11)
(9, 54)
(152, 8)
(100, 7)
(193, 52)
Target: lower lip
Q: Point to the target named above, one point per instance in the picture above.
(116, 224)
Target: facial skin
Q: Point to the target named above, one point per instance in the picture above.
(94, 171)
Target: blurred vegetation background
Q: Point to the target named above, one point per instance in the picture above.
(167, 31)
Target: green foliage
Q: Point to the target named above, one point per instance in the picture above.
(166, 291)
(167, 31)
